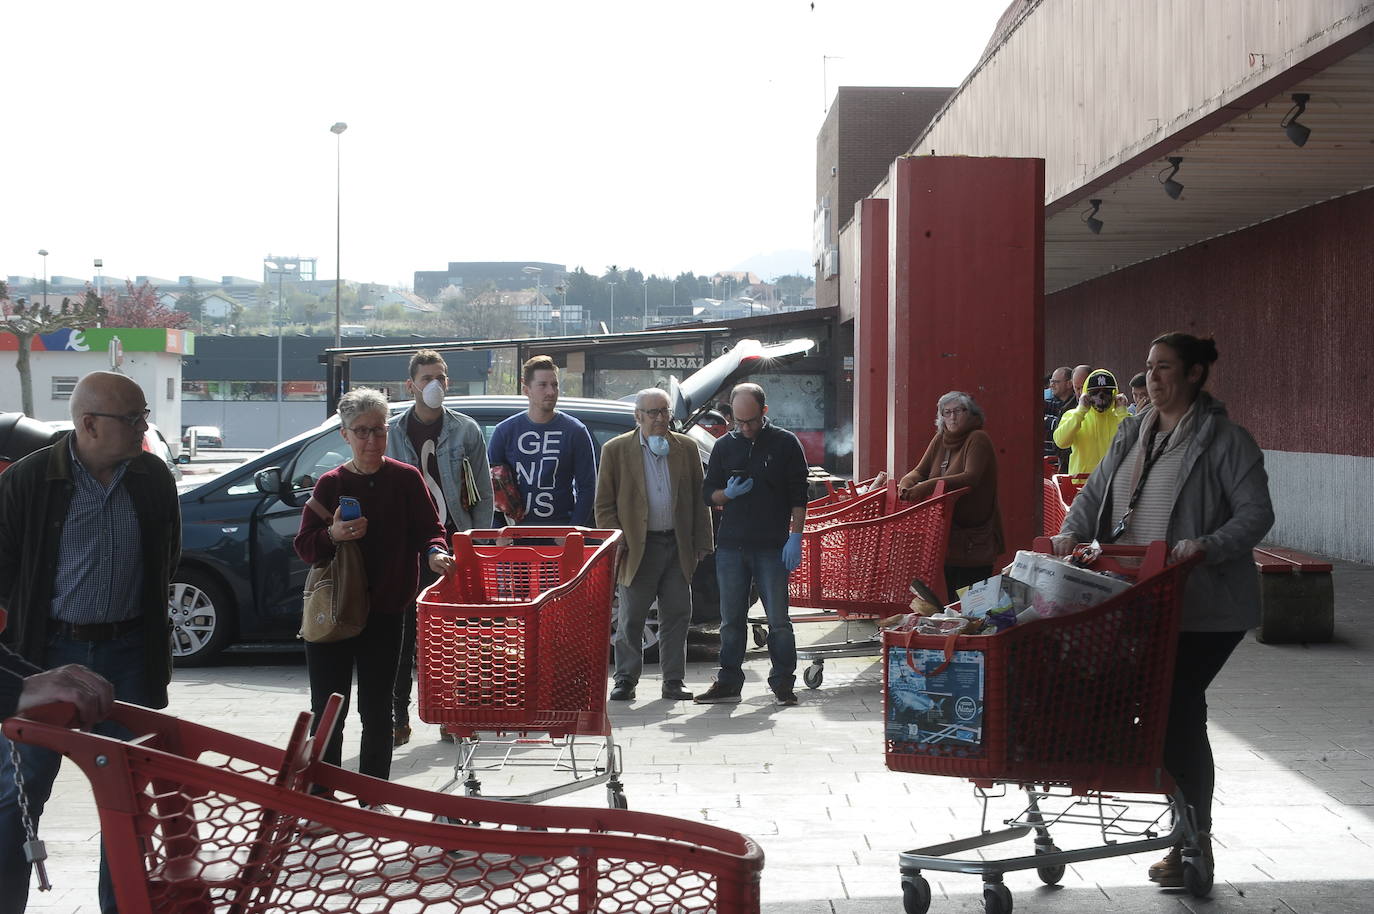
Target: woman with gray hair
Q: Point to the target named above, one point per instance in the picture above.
(962, 455)
(396, 524)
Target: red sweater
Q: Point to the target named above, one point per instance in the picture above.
(402, 524)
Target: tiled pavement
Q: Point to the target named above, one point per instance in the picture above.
(1291, 727)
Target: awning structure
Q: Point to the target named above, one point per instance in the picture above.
(1239, 168)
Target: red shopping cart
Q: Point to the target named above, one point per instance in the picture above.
(511, 655)
(1060, 491)
(1071, 709)
(862, 570)
(197, 821)
(845, 490)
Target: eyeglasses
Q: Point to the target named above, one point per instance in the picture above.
(953, 411)
(131, 419)
(660, 413)
(743, 423)
(369, 431)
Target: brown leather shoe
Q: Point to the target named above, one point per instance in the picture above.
(1168, 872)
(400, 735)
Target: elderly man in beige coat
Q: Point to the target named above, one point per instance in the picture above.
(649, 487)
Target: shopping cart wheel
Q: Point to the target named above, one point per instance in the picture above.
(615, 798)
(813, 676)
(1197, 878)
(1050, 875)
(915, 895)
(996, 899)
(760, 634)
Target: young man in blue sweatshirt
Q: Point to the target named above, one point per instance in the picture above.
(550, 453)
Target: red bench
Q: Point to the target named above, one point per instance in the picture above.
(1297, 599)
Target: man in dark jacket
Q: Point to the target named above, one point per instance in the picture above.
(757, 474)
(90, 533)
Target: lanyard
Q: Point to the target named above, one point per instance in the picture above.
(1151, 458)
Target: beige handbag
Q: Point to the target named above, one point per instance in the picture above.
(335, 592)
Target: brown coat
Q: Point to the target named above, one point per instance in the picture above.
(622, 502)
(972, 463)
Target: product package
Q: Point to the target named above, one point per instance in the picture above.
(1058, 588)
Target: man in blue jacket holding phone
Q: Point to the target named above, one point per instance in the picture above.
(757, 475)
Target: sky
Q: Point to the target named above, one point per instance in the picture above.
(193, 138)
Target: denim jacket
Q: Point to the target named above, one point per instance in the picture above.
(460, 437)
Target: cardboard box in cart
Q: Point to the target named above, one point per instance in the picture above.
(1058, 588)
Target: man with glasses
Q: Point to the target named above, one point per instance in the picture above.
(448, 449)
(757, 474)
(1061, 398)
(648, 487)
(90, 533)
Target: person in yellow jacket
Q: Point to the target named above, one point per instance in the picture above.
(1089, 429)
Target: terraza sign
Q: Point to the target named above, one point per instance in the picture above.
(652, 362)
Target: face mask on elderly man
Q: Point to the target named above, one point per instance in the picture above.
(658, 445)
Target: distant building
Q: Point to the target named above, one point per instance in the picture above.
(507, 276)
(865, 129)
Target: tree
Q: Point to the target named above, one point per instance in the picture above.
(139, 307)
(192, 302)
(26, 321)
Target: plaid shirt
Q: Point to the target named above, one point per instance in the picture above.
(100, 562)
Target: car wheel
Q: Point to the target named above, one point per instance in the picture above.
(201, 616)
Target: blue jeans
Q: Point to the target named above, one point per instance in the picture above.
(122, 662)
(735, 570)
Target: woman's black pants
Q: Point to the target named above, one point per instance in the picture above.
(1187, 750)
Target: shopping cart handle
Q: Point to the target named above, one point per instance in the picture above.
(541, 532)
(56, 713)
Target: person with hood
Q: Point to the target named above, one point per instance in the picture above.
(961, 454)
(1088, 428)
(1182, 472)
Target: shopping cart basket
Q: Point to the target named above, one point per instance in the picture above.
(1060, 491)
(1072, 709)
(511, 655)
(845, 491)
(198, 821)
(860, 571)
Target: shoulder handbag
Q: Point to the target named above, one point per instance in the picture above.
(335, 592)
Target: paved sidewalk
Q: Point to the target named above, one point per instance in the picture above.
(1291, 727)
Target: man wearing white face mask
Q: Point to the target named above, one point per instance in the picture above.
(448, 449)
(647, 488)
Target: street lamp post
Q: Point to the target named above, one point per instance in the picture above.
(612, 284)
(43, 252)
(646, 304)
(337, 130)
(280, 269)
(536, 272)
(562, 291)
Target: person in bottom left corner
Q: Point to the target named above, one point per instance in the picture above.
(399, 526)
(90, 533)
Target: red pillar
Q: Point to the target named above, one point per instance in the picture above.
(870, 340)
(966, 299)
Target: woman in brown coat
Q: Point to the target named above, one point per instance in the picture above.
(961, 454)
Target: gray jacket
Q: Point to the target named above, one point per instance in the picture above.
(460, 437)
(1221, 500)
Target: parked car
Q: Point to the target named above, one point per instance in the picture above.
(240, 579)
(205, 435)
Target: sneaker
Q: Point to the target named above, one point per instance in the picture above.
(400, 735)
(673, 690)
(624, 690)
(787, 699)
(719, 694)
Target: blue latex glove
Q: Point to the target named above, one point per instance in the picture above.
(791, 553)
(738, 486)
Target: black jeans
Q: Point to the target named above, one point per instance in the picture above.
(375, 653)
(405, 672)
(1187, 750)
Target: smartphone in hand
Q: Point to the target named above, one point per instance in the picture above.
(349, 509)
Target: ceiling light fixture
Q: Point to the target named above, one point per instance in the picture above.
(1090, 219)
(1297, 133)
(1171, 187)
